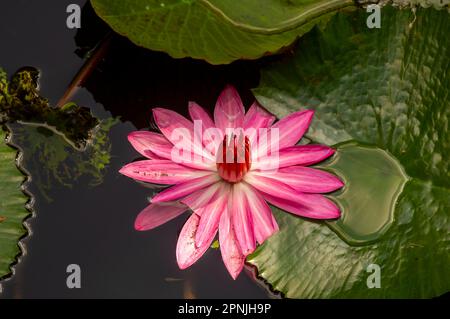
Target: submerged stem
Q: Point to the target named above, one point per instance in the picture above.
(98, 54)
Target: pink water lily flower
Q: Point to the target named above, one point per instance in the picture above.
(230, 194)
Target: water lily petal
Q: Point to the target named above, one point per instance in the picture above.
(232, 256)
(180, 132)
(305, 179)
(311, 206)
(156, 146)
(150, 144)
(198, 113)
(153, 156)
(229, 111)
(292, 127)
(286, 132)
(160, 172)
(187, 252)
(264, 224)
(210, 216)
(287, 198)
(296, 155)
(202, 197)
(242, 219)
(168, 121)
(256, 118)
(211, 137)
(185, 188)
(155, 215)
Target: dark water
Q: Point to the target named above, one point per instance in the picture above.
(92, 226)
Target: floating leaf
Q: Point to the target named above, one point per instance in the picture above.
(218, 31)
(387, 88)
(12, 206)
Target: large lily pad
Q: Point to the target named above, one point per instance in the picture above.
(219, 31)
(12, 206)
(387, 88)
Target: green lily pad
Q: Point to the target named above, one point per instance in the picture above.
(12, 207)
(387, 88)
(218, 31)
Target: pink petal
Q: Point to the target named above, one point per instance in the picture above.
(157, 214)
(202, 197)
(242, 220)
(264, 224)
(150, 144)
(305, 179)
(168, 121)
(232, 256)
(207, 138)
(187, 252)
(153, 156)
(160, 172)
(185, 188)
(212, 139)
(198, 113)
(256, 118)
(296, 155)
(311, 206)
(156, 146)
(287, 198)
(229, 111)
(180, 132)
(210, 216)
(292, 127)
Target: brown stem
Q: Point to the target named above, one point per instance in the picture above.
(86, 70)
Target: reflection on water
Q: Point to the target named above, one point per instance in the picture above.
(60, 161)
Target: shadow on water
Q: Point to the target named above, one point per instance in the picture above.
(91, 224)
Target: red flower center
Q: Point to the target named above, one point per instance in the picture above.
(233, 158)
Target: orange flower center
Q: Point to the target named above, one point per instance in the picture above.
(233, 158)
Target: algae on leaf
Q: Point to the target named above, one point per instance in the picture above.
(20, 101)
